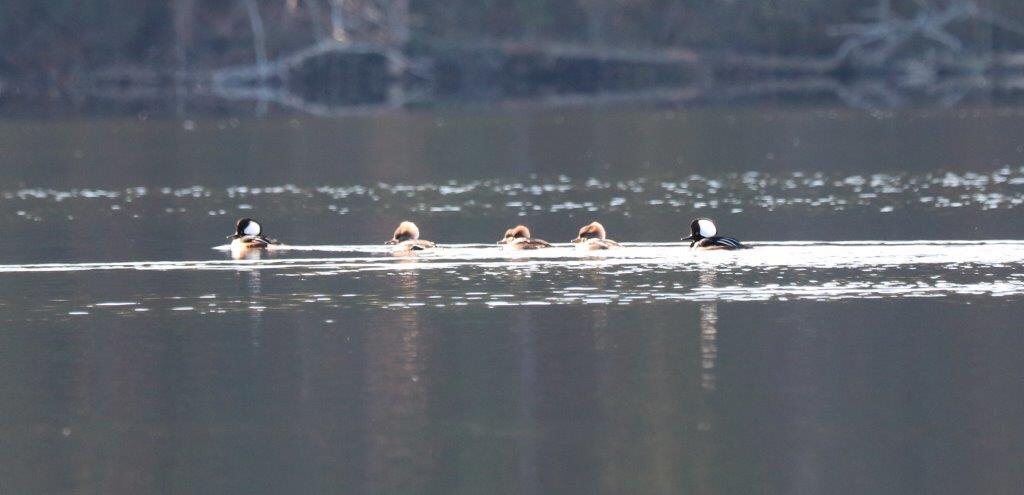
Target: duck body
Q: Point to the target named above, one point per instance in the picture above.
(524, 244)
(252, 242)
(518, 238)
(704, 236)
(413, 245)
(593, 237)
(597, 244)
(249, 235)
(727, 243)
(406, 240)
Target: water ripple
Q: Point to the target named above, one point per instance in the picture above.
(736, 192)
(476, 275)
(849, 254)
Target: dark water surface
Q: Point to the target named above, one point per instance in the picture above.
(870, 343)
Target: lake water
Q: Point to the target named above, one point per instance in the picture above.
(869, 343)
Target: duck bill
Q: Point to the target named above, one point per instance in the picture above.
(577, 240)
(690, 238)
(392, 242)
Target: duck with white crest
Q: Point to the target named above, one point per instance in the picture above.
(249, 235)
(704, 235)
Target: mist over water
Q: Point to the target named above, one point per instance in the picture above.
(868, 343)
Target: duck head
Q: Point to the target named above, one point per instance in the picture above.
(517, 232)
(593, 230)
(701, 228)
(246, 226)
(406, 231)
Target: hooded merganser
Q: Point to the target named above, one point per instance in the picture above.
(518, 237)
(249, 234)
(592, 237)
(407, 239)
(704, 235)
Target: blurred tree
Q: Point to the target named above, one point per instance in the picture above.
(54, 38)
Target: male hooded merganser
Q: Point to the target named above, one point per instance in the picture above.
(704, 235)
(592, 236)
(249, 234)
(518, 237)
(407, 239)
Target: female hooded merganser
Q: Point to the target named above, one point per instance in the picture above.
(518, 237)
(592, 236)
(249, 234)
(704, 235)
(407, 239)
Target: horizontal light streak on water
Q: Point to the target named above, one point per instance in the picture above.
(775, 254)
(728, 293)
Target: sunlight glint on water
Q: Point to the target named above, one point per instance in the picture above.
(636, 273)
(869, 343)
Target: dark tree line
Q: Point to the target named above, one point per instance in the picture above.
(51, 39)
